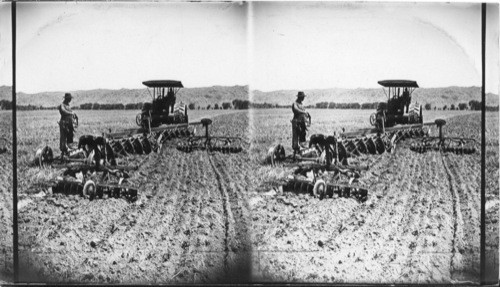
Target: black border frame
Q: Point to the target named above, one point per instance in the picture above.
(483, 154)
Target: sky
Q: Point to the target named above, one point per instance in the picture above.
(70, 46)
(74, 45)
(354, 45)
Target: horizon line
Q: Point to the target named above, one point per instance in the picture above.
(238, 85)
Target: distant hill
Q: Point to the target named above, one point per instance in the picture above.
(199, 96)
(219, 94)
(435, 96)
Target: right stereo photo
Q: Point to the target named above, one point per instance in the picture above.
(367, 122)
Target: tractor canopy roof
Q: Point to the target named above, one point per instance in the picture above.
(163, 84)
(398, 83)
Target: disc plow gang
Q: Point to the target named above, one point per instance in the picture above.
(330, 153)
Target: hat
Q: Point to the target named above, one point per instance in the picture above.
(301, 94)
(67, 96)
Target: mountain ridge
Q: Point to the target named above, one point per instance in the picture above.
(204, 96)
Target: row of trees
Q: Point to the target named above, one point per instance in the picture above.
(245, 104)
(96, 106)
(472, 105)
(332, 105)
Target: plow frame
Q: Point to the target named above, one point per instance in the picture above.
(211, 143)
(320, 189)
(458, 145)
(91, 190)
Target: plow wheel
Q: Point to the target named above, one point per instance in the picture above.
(360, 194)
(380, 146)
(118, 148)
(370, 146)
(185, 132)
(44, 156)
(127, 145)
(303, 187)
(156, 135)
(420, 132)
(373, 119)
(138, 119)
(319, 189)
(76, 188)
(153, 144)
(323, 159)
(89, 190)
(296, 186)
(402, 135)
(276, 154)
(146, 145)
(345, 191)
(351, 147)
(361, 146)
(164, 136)
(137, 146)
(397, 136)
(341, 152)
(308, 187)
(110, 153)
(329, 191)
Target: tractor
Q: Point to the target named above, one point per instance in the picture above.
(163, 108)
(398, 108)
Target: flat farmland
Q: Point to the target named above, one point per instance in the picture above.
(188, 225)
(210, 217)
(6, 239)
(420, 223)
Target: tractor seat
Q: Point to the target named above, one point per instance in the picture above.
(206, 122)
(440, 122)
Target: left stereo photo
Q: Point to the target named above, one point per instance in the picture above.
(6, 236)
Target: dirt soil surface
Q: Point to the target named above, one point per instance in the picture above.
(189, 224)
(6, 264)
(420, 224)
(212, 218)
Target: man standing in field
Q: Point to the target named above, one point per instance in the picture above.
(299, 120)
(66, 125)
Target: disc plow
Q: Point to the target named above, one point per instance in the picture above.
(321, 189)
(337, 149)
(92, 190)
(143, 141)
(89, 160)
(210, 143)
(457, 145)
(376, 142)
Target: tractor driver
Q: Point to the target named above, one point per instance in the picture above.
(66, 125)
(170, 101)
(299, 120)
(406, 99)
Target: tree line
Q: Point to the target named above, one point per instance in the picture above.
(473, 105)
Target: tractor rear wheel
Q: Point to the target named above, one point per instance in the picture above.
(373, 119)
(138, 119)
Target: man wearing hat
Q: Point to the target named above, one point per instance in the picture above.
(66, 125)
(300, 117)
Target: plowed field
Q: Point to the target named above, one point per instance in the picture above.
(6, 270)
(204, 217)
(420, 223)
(189, 224)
